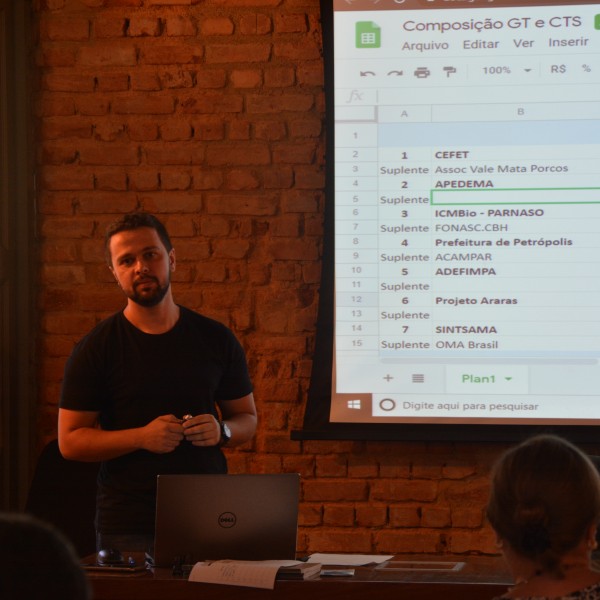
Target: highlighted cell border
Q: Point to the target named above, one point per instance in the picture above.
(464, 191)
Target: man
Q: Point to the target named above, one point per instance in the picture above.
(132, 384)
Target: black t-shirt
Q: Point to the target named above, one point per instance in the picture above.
(131, 378)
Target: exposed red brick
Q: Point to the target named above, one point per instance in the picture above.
(238, 129)
(111, 180)
(280, 77)
(100, 153)
(211, 102)
(483, 541)
(290, 24)
(68, 82)
(402, 490)
(110, 131)
(331, 540)
(145, 80)
(211, 78)
(338, 515)
(113, 82)
(237, 53)
(174, 153)
(235, 155)
(170, 54)
(172, 79)
(107, 55)
(363, 466)
(106, 202)
(371, 515)
(115, 3)
(296, 153)
(186, 203)
(404, 541)
(335, 490)
(310, 73)
(175, 130)
(71, 29)
(171, 2)
(211, 115)
(179, 25)
(246, 78)
(309, 177)
(255, 24)
(436, 517)
(301, 50)
(109, 27)
(89, 105)
(304, 465)
(143, 105)
(309, 126)
(65, 127)
(67, 178)
(142, 129)
(270, 130)
(279, 103)
(143, 180)
(207, 179)
(470, 517)
(309, 515)
(294, 249)
(248, 3)
(144, 26)
(55, 57)
(175, 179)
(331, 466)
(280, 178)
(217, 26)
(405, 516)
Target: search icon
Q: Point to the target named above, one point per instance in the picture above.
(387, 404)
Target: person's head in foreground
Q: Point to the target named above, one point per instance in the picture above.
(37, 562)
(544, 507)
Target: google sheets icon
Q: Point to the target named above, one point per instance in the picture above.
(368, 35)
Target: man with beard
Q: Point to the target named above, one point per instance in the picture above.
(155, 388)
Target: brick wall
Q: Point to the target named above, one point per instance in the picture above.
(210, 114)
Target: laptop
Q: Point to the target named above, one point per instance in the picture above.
(239, 517)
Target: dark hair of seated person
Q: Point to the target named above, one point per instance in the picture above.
(545, 504)
(37, 562)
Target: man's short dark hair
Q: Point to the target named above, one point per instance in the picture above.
(133, 221)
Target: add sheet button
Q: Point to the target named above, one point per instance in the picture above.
(483, 379)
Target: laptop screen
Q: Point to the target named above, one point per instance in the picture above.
(212, 517)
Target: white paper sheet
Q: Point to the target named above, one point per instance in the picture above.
(247, 573)
(355, 560)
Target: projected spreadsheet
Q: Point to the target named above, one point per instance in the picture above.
(468, 223)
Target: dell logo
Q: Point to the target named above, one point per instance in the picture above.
(227, 519)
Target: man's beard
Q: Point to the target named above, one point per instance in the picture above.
(153, 298)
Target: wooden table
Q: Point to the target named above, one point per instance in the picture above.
(410, 577)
